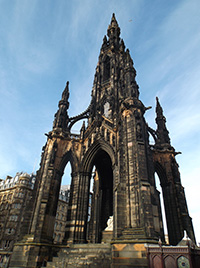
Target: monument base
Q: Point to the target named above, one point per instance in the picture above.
(107, 236)
(30, 254)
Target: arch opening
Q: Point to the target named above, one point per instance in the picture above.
(162, 206)
(100, 197)
(62, 205)
(76, 125)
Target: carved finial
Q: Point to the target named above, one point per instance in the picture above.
(65, 94)
(114, 21)
(128, 58)
(122, 46)
(159, 110)
(105, 42)
(82, 131)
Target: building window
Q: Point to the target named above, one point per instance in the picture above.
(17, 205)
(10, 231)
(13, 218)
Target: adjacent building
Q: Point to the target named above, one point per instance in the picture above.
(15, 194)
(61, 214)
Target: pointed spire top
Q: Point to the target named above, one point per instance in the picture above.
(65, 94)
(61, 117)
(113, 31)
(122, 46)
(159, 110)
(128, 58)
(105, 42)
(114, 21)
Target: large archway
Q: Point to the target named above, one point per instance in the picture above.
(101, 205)
(97, 175)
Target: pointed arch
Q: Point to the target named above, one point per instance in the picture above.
(92, 152)
(161, 173)
(71, 157)
(101, 156)
(169, 261)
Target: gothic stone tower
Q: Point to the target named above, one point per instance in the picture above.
(116, 142)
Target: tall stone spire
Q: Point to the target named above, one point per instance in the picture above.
(113, 32)
(162, 132)
(61, 117)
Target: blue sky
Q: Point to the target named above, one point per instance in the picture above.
(45, 43)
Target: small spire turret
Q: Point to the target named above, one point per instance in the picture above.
(122, 46)
(61, 117)
(129, 60)
(105, 42)
(82, 131)
(162, 132)
(113, 32)
(65, 94)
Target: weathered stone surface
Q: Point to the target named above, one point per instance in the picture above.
(83, 255)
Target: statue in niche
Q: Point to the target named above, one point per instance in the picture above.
(107, 110)
(109, 224)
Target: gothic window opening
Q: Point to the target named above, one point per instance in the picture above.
(106, 69)
(66, 178)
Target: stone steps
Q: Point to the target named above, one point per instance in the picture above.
(83, 255)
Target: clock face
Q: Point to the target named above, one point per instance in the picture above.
(183, 262)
